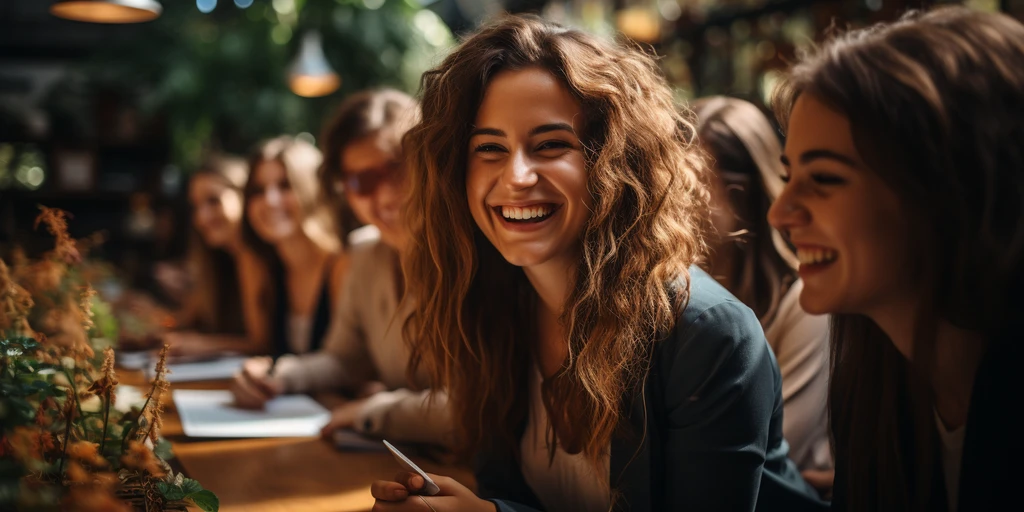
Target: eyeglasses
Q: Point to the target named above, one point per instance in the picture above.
(365, 182)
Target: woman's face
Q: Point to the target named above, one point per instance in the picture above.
(526, 180)
(216, 210)
(848, 226)
(374, 179)
(274, 210)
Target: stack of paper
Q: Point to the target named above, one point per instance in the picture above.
(223, 368)
(211, 413)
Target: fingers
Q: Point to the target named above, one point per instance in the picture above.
(386, 490)
(330, 427)
(413, 482)
(247, 395)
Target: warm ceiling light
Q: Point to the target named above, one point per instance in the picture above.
(107, 11)
(311, 76)
(639, 24)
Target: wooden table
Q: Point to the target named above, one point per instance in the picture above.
(263, 475)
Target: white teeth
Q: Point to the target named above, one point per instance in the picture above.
(814, 256)
(519, 213)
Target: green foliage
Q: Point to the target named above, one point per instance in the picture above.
(189, 490)
(105, 323)
(57, 388)
(220, 78)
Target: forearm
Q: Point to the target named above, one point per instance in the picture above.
(318, 371)
(406, 415)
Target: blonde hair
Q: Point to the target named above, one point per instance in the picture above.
(301, 161)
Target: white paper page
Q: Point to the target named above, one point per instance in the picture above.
(139, 360)
(223, 368)
(210, 413)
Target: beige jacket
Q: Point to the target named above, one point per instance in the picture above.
(363, 343)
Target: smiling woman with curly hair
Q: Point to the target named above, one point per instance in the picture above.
(558, 210)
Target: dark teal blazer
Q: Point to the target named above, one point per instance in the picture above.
(713, 423)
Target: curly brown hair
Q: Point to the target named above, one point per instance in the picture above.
(648, 225)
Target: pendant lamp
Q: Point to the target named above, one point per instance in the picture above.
(310, 75)
(107, 11)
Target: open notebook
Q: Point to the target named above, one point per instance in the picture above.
(210, 413)
(213, 369)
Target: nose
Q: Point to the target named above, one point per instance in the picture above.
(388, 193)
(272, 195)
(787, 212)
(519, 174)
(202, 215)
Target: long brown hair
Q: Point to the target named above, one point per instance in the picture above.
(212, 305)
(936, 107)
(301, 161)
(387, 112)
(746, 151)
(649, 217)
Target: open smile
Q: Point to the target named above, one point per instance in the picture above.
(814, 259)
(525, 217)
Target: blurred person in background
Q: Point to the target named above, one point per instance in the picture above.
(220, 312)
(290, 229)
(751, 260)
(363, 353)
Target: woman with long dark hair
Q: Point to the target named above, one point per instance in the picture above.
(905, 202)
(558, 207)
(220, 312)
(751, 260)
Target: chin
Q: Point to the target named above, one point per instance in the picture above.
(815, 304)
(523, 260)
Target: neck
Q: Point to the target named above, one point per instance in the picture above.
(955, 360)
(551, 282)
(235, 246)
(298, 251)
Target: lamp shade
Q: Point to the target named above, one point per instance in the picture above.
(639, 23)
(310, 74)
(107, 11)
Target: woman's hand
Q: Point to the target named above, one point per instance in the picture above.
(252, 386)
(400, 495)
(343, 416)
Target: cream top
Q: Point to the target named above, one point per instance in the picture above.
(952, 442)
(800, 343)
(569, 483)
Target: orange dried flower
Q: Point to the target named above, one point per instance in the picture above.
(56, 223)
(105, 384)
(140, 458)
(24, 444)
(76, 474)
(87, 453)
(92, 498)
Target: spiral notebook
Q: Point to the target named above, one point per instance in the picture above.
(211, 413)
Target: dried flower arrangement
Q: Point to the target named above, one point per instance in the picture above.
(63, 443)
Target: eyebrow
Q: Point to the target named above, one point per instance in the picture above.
(544, 128)
(821, 154)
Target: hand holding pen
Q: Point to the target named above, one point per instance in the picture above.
(255, 383)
